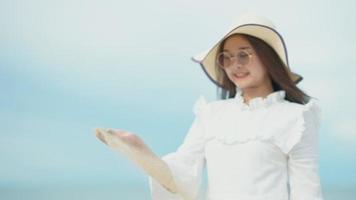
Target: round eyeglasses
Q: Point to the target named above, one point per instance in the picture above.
(225, 60)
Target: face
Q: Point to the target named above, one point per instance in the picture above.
(245, 76)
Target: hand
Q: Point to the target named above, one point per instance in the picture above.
(135, 149)
(122, 140)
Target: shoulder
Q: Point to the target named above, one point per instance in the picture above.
(204, 106)
(303, 121)
(309, 111)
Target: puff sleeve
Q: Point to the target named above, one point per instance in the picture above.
(187, 162)
(303, 158)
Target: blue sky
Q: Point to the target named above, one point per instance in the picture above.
(69, 66)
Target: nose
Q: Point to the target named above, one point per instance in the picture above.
(235, 62)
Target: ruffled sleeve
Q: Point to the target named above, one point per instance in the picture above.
(303, 155)
(187, 162)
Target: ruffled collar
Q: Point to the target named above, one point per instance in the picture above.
(259, 102)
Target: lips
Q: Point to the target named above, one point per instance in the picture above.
(241, 75)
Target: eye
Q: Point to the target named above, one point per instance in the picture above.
(226, 57)
(242, 55)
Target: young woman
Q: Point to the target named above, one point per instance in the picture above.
(259, 141)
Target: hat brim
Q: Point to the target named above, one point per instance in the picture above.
(269, 35)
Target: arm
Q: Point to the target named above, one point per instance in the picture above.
(177, 176)
(303, 167)
(187, 162)
(136, 150)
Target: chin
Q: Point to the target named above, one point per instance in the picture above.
(242, 85)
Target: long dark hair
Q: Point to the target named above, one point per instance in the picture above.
(275, 69)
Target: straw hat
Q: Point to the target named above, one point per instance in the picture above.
(257, 26)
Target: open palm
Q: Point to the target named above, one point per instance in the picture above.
(136, 150)
(121, 140)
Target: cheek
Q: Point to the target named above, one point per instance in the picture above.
(229, 73)
(258, 72)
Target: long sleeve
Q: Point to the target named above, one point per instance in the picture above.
(186, 163)
(303, 167)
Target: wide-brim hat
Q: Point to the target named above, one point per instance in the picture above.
(254, 25)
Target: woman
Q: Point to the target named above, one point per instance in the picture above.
(259, 141)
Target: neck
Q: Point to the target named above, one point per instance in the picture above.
(250, 93)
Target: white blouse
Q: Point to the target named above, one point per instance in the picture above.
(264, 150)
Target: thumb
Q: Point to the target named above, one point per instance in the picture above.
(99, 135)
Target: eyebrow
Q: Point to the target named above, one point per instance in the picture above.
(239, 48)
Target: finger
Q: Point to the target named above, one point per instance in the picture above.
(117, 132)
(109, 130)
(99, 135)
(109, 136)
